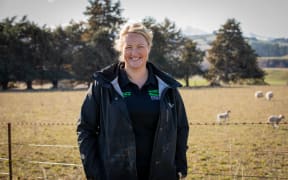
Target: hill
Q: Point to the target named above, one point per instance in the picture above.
(273, 62)
(269, 47)
(272, 52)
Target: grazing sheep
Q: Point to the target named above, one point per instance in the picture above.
(223, 116)
(274, 120)
(258, 94)
(269, 95)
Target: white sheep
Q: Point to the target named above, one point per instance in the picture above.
(258, 94)
(274, 120)
(269, 95)
(223, 116)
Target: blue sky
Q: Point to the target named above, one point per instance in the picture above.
(262, 17)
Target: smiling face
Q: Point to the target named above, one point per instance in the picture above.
(135, 51)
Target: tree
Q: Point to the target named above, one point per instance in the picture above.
(32, 55)
(76, 41)
(91, 56)
(167, 39)
(87, 60)
(191, 59)
(56, 65)
(104, 21)
(8, 45)
(231, 57)
(104, 16)
(18, 51)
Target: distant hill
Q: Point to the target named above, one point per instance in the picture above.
(273, 62)
(269, 48)
(272, 52)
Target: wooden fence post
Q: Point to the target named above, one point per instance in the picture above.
(10, 151)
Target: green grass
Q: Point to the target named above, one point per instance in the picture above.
(277, 76)
(242, 150)
(195, 81)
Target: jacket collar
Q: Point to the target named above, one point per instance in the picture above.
(111, 72)
(124, 80)
(165, 77)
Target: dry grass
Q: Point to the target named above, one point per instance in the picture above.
(41, 107)
(239, 150)
(242, 151)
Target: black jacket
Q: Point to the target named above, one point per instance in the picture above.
(105, 134)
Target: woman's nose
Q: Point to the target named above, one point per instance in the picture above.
(134, 51)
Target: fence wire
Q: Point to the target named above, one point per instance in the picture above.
(232, 123)
(239, 176)
(190, 123)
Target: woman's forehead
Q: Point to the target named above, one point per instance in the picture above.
(135, 37)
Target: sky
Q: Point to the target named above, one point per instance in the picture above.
(266, 18)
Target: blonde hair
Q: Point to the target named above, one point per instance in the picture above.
(137, 28)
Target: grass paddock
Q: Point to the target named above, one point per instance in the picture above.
(251, 151)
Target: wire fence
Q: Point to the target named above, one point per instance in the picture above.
(10, 144)
(190, 124)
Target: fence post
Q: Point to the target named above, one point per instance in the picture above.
(10, 151)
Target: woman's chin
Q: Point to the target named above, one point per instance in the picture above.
(136, 64)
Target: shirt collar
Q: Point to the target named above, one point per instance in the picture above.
(123, 78)
(151, 77)
(124, 81)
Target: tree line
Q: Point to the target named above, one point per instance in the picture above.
(29, 52)
(272, 48)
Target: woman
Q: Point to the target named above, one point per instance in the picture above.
(133, 123)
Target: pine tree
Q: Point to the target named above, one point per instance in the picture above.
(104, 21)
(191, 59)
(104, 15)
(167, 39)
(231, 57)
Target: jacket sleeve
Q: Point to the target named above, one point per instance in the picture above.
(87, 132)
(182, 135)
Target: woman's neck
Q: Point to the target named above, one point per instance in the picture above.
(138, 76)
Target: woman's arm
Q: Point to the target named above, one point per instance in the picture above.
(87, 132)
(182, 136)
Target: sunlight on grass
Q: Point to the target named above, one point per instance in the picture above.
(195, 81)
(277, 76)
(243, 150)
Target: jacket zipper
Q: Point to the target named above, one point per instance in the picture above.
(153, 160)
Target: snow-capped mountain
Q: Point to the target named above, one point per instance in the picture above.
(191, 31)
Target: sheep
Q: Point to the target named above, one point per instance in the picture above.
(269, 95)
(258, 94)
(223, 116)
(274, 120)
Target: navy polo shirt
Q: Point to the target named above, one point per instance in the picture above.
(143, 106)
